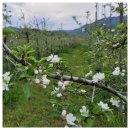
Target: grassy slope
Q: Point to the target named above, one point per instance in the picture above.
(35, 112)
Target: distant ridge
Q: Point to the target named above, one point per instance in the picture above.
(78, 31)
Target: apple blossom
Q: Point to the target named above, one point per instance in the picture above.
(84, 112)
(98, 77)
(115, 102)
(122, 74)
(123, 70)
(64, 113)
(70, 118)
(35, 71)
(116, 71)
(103, 105)
(88, 74)
(5, 86)
(59, 95)
(53, 58)
(37, 81)
(6, 79)
(44, 80)
(82, 91)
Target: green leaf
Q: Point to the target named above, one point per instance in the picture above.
(32, 58)
(23, 76)
(109, 115)
(96, 109)
(89, 123)
(85, 114)
(27, 89)
(42, 60)
(53, 101)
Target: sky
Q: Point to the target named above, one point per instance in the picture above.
(57, 14)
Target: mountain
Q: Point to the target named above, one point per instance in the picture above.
(78, 31)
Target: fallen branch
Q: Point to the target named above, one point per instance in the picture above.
(70, 78)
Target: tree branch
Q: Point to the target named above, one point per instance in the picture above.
(9, 52)
(89, 82)
(70, 78)
(119, 45)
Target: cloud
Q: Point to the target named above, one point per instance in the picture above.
(58, 13)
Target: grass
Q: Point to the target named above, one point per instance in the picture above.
(37, 111)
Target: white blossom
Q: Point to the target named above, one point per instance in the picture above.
(103, 105)
(115, 45)
(6, 76)
(112, 30)
(44, 86)
(60, 84)
(5, 86)
(63, 87)
(37, 81)
(6, 79)
(63, 84)
(59, 95)
(122, 74)
(82, 91)
(53, 58)
(26, 68)
(88, 74)
(64, 113)
(66, 83)
(98, 77)
(116, 71)
(35, 71)
(123, 70)
(70, 118)
(40, 71)
(50, 58)
(53, 105)
(57, 89)
(84, 111)
(115, 102)
(44, 80)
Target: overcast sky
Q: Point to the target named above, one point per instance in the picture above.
(58, 13)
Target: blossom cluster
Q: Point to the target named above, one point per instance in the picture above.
(53, 58)
(118, 72)
(105, 106)
(6, 79)
(70, 118)
(98, 77)
(61, 87)
(44, 81)
(39, 70)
